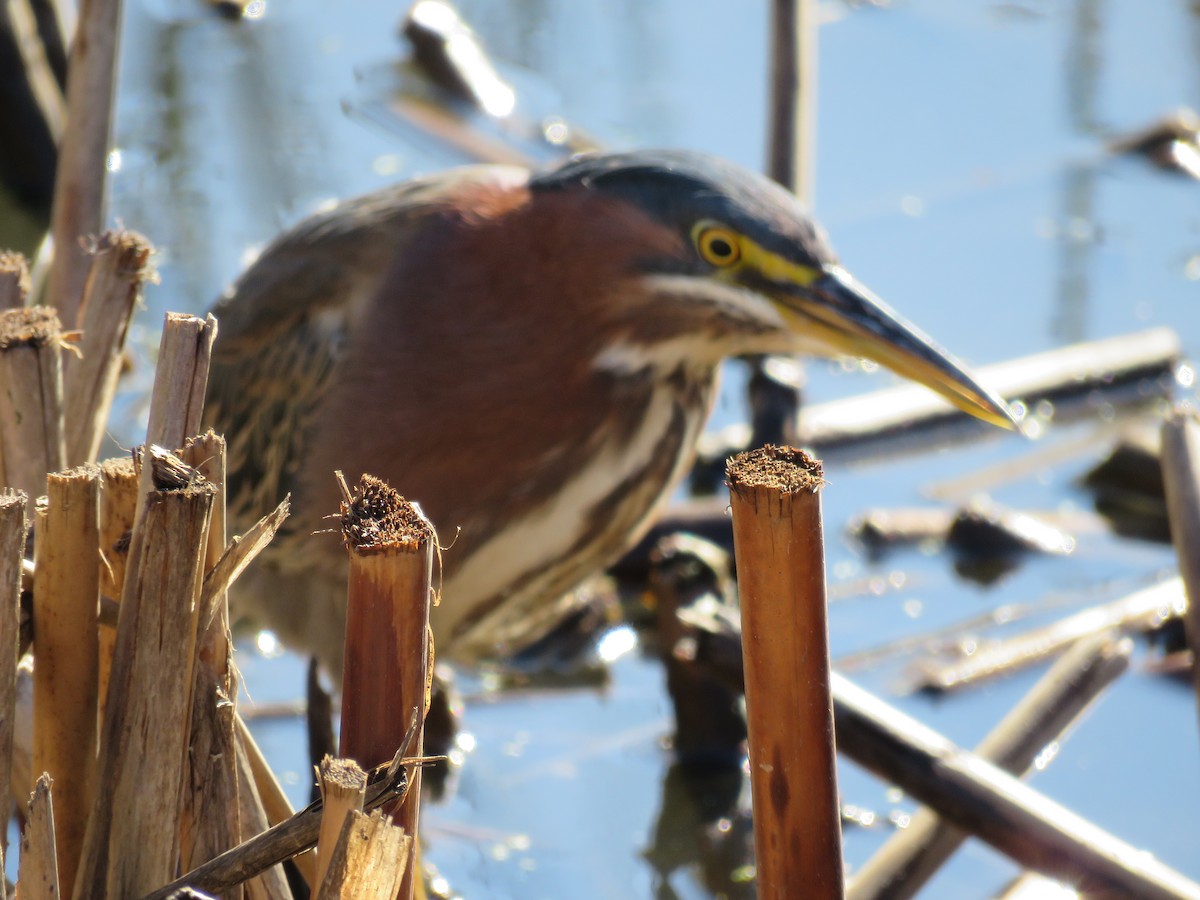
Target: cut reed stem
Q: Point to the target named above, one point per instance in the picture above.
(119, 267)
(387, 660)
(146, 728)
(66, 598)
(779, 550)
(31, 410)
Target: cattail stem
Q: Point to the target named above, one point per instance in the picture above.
(1181, 480)
(146, 728)
(911, 857)
(180, 380)
(119, 268)
(993, 806)
(387, 661)
(66, 597)
(31, 411)
(792, 141)
(83, 154)
(779, 550)
(118, 505)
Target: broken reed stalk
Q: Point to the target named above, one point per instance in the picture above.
(792, 141)
(118, 506)
(780, 557)
(371, 861)
(180, 380)
(66, 599)
(146, 728)
(38, 875)
(31, 404)
(14, 280)
(993, 806)
(911, 857)
(1181, 482)
(343, 787)
(1140, 610)
(211, 814)
(83, 153)
(119, 267)
(387, 669)
(294, 835)
(12, 556)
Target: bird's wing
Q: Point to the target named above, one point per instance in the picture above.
(281, 329)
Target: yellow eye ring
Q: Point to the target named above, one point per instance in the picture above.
(718, 246)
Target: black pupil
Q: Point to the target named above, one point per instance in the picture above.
(720, 247)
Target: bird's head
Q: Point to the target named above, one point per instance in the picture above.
(746, 251)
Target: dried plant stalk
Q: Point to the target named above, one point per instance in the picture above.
(119, 268)
(911, 857)
(145, 732)
(83, 153)
(994, 806)
(31, 412)
(38, 877)
(180, 380)
(1181, 480)
(12, 557)
(211, 811)
(66, 597)
(118, 505)
(14, 280)
(780, 555)
(387, 660)
(370, 861)
(343, 788)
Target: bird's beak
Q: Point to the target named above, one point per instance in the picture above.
(845, 317)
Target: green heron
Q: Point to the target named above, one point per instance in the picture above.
(531, 356)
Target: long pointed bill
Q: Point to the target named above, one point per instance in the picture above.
(845, 317)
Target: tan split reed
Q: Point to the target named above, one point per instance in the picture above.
(146, 728)
(66, 595)
(32, 440)
(38, 875)
(77, 210)
(119, 267)
(372, 860)
(387, 669)
(343, 786)
(779, 550)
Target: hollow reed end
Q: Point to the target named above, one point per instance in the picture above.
(779, 549)
(387, 656)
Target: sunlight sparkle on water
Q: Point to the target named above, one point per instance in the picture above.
(616, 643)
(267, 644)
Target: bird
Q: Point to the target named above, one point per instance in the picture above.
(531, 355)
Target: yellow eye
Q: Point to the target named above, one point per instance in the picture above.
(718, 246)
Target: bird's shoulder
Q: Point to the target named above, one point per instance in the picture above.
(320, 267)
